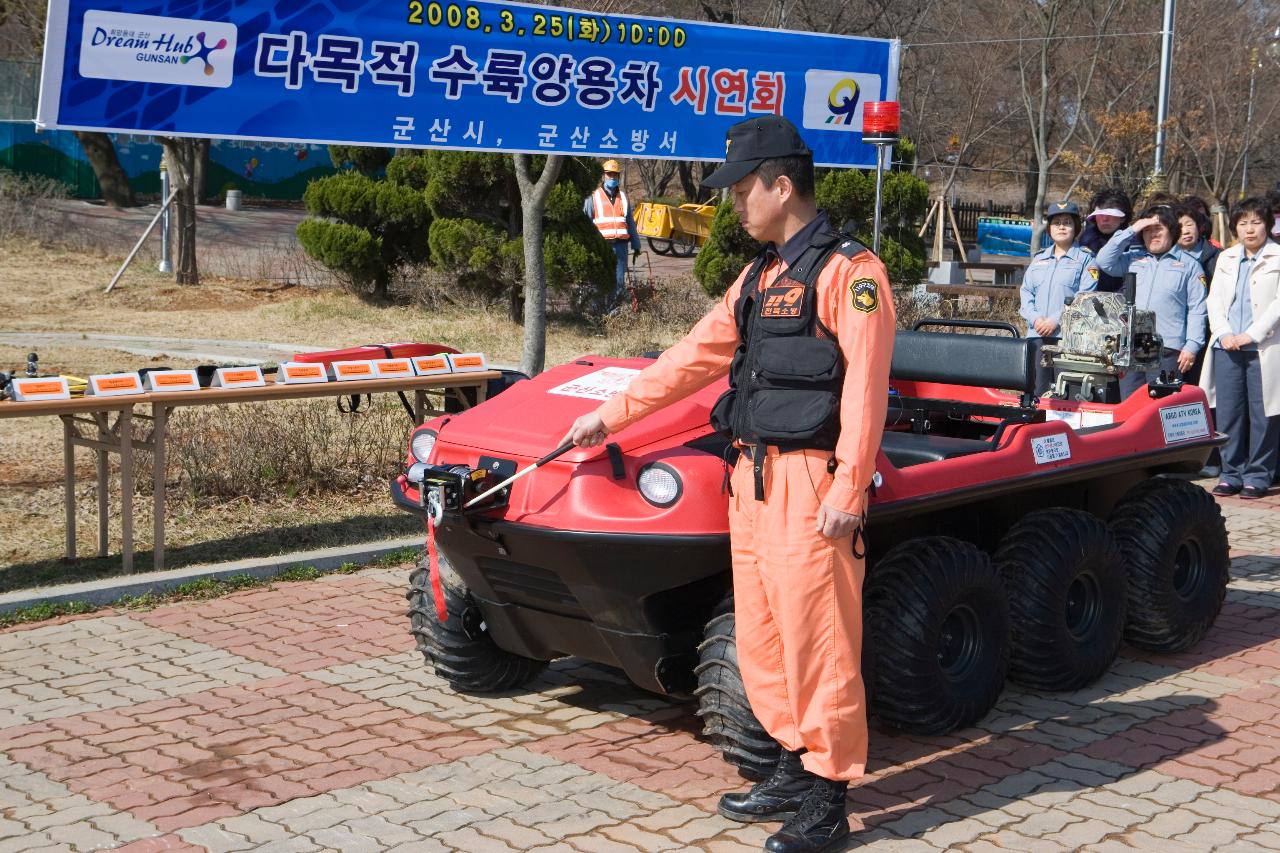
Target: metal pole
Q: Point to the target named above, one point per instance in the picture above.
(163, 210)
(1248, 123)
(1166, 63)
(165, 259)
(875, 239)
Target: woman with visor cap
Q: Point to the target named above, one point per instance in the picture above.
(1110, 211)
(1052, 279)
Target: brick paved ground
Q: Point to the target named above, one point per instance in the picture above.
(300, 718)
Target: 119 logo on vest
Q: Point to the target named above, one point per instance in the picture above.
(782, 301)
(865, 295)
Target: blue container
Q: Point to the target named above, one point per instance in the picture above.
(1001, 236)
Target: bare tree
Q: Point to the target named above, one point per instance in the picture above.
(656, 175)
(180, 156)
(1218, 123)
(533, 201)
(112, 179)
(1056, 81)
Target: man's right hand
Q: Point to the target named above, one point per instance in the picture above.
(587, 431)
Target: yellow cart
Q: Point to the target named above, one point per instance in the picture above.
(674, 230)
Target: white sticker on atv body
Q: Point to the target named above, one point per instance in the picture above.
(600, 385)
(1183, 423)
(1051, 448)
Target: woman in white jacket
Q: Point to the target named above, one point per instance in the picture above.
(1242, 366)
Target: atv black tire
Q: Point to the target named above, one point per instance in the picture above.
(1175, 542)
(1065, 578)
(466, 657)
(727, 719)
(936, 635)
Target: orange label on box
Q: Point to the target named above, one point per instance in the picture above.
(171, 379)
(32, 388)
(118, 383)
(51, 386)
(469, 361)
(240, 376)
(359, 369)
(428, 364)
(389, 367)
(306, 371)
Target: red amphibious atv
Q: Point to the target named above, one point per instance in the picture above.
(1007, 535)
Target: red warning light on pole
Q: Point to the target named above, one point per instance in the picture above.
(880, 122)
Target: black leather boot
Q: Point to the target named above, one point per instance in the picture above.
(819, 824)
(776, 798)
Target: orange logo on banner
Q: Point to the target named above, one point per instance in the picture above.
(117, 383)
(782, 301)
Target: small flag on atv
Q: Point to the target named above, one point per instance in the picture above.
(559, 451)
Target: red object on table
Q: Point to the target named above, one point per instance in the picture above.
(400, 350)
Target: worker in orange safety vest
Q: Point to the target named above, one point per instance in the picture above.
(806, 336)
(610, 210)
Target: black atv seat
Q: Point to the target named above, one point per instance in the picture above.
(905, 449)
(980, 361)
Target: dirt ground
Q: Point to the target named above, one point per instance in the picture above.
(51, 288)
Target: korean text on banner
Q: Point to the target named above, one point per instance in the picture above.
(479, 76)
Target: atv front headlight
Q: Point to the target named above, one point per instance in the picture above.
(659, 484)
(421, 445)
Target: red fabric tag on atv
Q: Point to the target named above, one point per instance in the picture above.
(433, 568)
(783, 301)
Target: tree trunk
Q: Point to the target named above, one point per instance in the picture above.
(533, 201)
(180, 156)
(106, 168)
(1037, 211)
(202, 170)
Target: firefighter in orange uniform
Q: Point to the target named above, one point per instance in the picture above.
(609, 209)
(806, 336)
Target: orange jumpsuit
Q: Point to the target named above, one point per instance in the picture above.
(798, 595)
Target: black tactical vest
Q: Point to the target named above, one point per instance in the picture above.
(786, 376)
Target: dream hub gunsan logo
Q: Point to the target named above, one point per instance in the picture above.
(154, 49)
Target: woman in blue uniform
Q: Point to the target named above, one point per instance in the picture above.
(1052, 279)
(1170, 282)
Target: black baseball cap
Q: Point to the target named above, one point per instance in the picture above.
(1070, 208)
(751, 142)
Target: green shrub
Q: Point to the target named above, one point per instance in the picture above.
(347, 249)
(365, 229)
(728, 249)
(848, 196)
(367, 160)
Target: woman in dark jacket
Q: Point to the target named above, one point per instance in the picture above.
(1110, 211)
(1193, 238)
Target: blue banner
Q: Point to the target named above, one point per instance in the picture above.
(464, 75)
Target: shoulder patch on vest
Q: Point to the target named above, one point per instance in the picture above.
(1203, 280)
(865, 295)
(850, 248)
(1093, 271)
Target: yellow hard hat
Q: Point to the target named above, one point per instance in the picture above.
(612, 166)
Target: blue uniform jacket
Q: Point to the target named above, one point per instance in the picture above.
(1050, 282)
(1171, 285)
